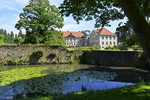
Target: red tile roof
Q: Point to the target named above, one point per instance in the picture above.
(103, 31)
(75, 34)
(65, 33)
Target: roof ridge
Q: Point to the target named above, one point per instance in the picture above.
(103, 31)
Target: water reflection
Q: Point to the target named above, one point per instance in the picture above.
(58, 82)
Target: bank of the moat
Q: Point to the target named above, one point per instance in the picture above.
(45, 54)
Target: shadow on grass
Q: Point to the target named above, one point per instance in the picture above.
(138, 92)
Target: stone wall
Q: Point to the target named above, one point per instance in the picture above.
(111, 58)
(23, 54)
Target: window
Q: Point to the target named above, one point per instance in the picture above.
(106, 43)
(114, 43)
(110, 37)
(110, 43)
(103, 43)
(102, 37)
(106, 37)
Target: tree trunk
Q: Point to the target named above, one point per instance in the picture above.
(138, 21)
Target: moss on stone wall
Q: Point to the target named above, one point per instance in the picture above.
(25, 54)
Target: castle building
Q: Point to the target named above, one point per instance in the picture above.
(103, 38)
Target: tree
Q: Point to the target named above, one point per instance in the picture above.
(126, 35)
(1, 39)
(20, 33)
(86, 32)
(7, 38)
(105, 10)
(11, 37)
(40, 20)
(19, 39)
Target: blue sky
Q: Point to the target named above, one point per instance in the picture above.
(10, 10)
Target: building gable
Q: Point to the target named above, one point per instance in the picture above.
(103, 31)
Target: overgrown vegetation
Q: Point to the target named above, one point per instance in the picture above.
(86, 48)
(13, 75)
(119, 47)
(1, 39)
(90, 48)
(6, 38)
(114, 48)
(74, 61)
(53, 55)
(12, 62)
(38, 53)
(122, 46)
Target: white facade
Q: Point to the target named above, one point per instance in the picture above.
(103, 39)
(73, 41)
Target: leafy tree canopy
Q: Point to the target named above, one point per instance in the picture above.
(105, 10)
(6, 38)
(40, 20)
(101, 10)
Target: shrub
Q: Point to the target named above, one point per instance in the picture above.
(38, 53)
(111, 48)
(123, 46)
(135, 47)
(73, 61)
(53, 55)
(90, 48)
(12, 62)
(23, 62)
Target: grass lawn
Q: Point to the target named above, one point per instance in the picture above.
(137, 92)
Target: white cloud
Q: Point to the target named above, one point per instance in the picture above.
(9, 25)
(23, 2)
(56, 2)
(71, 27)
(9, 7)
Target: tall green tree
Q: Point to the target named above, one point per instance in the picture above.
(20, 33)
(19, 39)
(40, 20)
(105, 10)
(8, 38)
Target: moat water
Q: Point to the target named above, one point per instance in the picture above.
(62, 79)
